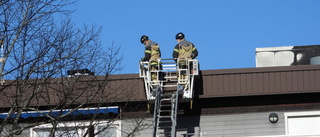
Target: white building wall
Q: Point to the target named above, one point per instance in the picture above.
(142, 126)
(226, 125)
(231, 125)
(235, 125)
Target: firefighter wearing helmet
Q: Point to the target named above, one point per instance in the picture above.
(152, 54)
(183, 51)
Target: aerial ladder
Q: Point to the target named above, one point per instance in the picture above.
(172, 86)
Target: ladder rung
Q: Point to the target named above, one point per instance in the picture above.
(165, 110)
(164, 116)
(169, 68)
(165, 121)
(167, 86)
(166, 99)
(171, 64)
(172, 76)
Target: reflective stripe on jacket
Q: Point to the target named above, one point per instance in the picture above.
(152, 53)
(185, 50)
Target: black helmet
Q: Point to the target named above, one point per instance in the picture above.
(144, 38)
(180, 35)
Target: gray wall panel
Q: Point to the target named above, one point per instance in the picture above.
(253, 124)
(231, 125)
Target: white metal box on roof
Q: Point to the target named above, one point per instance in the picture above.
(286, 55)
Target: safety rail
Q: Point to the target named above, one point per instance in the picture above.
(169, 76)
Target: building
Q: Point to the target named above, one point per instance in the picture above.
(262, 102)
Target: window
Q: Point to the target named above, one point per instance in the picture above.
(79, 129)
(302, 123)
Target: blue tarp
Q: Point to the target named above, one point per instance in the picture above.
(55, 113)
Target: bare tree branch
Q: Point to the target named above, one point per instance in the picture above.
(39, 49)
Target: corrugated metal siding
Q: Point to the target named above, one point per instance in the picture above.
(117, 88)
(231, 125)
(260, 81)
(213, 83)
(243, 82)
(131, 87)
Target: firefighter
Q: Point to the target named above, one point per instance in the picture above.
(152, 54)
(182, 52)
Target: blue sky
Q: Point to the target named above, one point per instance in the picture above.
(225, 32)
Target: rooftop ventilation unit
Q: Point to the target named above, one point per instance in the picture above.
(287, 55)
